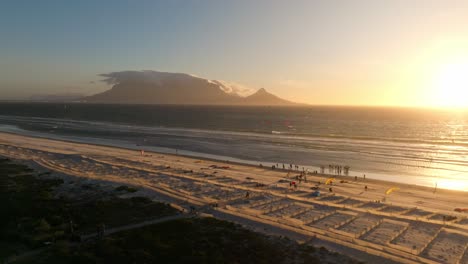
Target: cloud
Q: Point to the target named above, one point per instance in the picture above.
(156, 77)
(134, 76)
(233, 88)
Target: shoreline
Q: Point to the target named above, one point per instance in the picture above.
(416, 171)
(348, 179)
(240, 163)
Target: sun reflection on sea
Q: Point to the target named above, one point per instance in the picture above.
(452, 184)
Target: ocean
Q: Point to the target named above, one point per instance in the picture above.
(415, 146)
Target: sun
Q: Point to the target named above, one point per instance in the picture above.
(451, 84)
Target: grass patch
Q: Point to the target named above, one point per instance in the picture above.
(205, 240)
(32, 215)
(116, 212)
(125, 188)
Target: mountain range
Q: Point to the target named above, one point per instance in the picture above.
(153, 87)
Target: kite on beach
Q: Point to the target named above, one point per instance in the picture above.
(389, 191)
(330, 181)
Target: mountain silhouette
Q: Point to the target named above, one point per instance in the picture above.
(152, 87)
(262, 97)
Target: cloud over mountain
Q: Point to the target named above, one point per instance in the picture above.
(155, 77)
(154, 87)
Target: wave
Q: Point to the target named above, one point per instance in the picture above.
(364, 155)
(289, 138)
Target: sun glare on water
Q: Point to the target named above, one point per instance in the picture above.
(451, 85)
(452, 184)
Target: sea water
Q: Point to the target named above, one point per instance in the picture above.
(416, 146)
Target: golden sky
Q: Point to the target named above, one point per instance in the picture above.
(360, 52)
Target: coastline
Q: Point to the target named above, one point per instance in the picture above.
(230, 160)
(348, 216)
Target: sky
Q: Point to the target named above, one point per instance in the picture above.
(357, 52)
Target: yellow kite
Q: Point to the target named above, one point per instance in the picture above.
(389, 191)
(329, 180)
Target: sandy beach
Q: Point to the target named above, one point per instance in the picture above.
(411, 225)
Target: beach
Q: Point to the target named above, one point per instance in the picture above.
(412, 224)
(397, 145)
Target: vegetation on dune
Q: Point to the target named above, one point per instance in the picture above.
(28, 209)
(32, 215)
(125, 188)
(195, 240)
